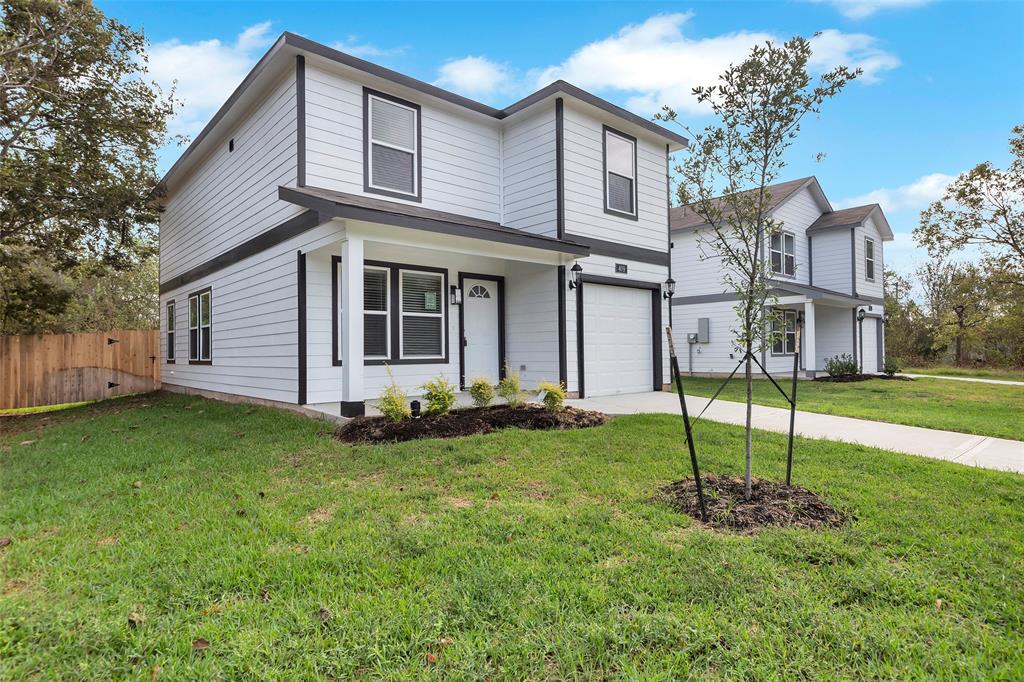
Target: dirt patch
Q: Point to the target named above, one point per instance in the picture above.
(466, 423)
(851, 378)
(318, 516)
(107, 541)
(459, 502)
(771, 504)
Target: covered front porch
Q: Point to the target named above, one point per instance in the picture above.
(409, 297)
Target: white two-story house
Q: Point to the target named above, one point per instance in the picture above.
(827, 269)
(337, 220)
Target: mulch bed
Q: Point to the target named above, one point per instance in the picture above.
(771, 504)
(466, 423)
(848, 378)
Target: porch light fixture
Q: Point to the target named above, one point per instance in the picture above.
(574, 275)
(861, 315)
(885, 318)
(670, 288)
(456, 295)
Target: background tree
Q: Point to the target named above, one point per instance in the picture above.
(983, 207)
(759, 105)
(79, 131)
(958, 301)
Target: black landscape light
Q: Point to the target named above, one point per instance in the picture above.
(414, 407)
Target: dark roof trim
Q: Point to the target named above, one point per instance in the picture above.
(261, 242)
(331, 204)
(599, 247)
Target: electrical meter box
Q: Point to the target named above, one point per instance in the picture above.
(691, 338)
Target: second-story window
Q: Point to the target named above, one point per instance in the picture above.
(869, 259)
(391, 146)
(619, 174)
(783, 250)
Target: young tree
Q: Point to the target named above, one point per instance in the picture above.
(759, 105)
(983, 207)
(957, 300)
(79, 131)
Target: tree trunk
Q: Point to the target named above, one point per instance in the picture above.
(750, 415)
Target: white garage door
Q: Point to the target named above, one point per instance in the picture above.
(617, 352)
(869, 329)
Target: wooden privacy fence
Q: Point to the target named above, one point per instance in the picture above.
(71, 368)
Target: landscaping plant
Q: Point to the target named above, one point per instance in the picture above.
(759, 104)
(510, 388)
(841, 365)
(393, 402)
(554, 395)
(890, 367)
(440, 396)
(481, 391)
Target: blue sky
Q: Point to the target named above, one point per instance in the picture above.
(943, 81)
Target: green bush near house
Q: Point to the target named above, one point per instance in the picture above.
(842, 365)
(393, 402)
(440, 396)
(481, 391)
(553, 395)
(510, 388)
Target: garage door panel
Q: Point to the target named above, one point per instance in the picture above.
(618, 356)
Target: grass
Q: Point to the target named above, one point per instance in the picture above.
(990, 373)
(18, 411)
(516, 555)
(983, 409)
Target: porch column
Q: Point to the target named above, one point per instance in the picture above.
(352, 394)
(809, 350)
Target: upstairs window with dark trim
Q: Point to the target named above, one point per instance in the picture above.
(200, 326)
(783, 253)
(169, 353)
(391, 152)
(869, 259)
(784, 333)
(422, 328)
(376, 313)
(619, 174)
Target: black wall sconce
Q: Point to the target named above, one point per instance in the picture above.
(574, 275)
(670, 288)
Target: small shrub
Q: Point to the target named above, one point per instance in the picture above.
(890, 367)
(481, 391)
(841, 365)
(394, 402)
(554, 395)
(440, 396)
(510, 388)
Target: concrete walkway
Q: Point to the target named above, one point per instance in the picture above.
(980, 451)
(977, 380)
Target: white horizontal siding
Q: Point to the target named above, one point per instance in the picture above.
(529, 173)
(696, 268)
(584, 185)
(831, 253)
(232, 196)
(531, 314)
(864, 286)
(796, 215)
(833, 333)
(460, 151)
(254, 323)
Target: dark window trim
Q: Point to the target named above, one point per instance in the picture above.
(171, 336)
(502, 360)
(199, 314)
(872, 259)
(786, 312)
(656, 359)
(559, 168)
(418, 196)
(300, 291)
(635, 215)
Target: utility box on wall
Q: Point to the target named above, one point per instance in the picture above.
(703, 330)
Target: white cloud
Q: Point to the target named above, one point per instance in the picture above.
(206, 71)
(654, 63)
(915, 196)
(475, 76)
(352, 45)
(860, 9)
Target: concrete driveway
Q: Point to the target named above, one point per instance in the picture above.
(979, 451)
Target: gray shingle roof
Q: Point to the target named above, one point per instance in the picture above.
(844, 217)
(684, 217)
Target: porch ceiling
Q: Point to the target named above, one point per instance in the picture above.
(331, 204)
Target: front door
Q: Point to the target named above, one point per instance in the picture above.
(480, 329)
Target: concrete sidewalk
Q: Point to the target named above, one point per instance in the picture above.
(977, 380)
(980, 451)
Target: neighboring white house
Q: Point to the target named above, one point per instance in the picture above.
(827, 267)
(336, 217)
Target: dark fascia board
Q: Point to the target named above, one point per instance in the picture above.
(809, 181)
(443, 225)
(312, 47)
(619, 282)
(599, 247)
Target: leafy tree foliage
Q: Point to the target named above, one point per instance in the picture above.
(983, 207)
(759, 104)
(79, 131)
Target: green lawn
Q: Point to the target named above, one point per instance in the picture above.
(984, 409)
(1004, 374)
(517, 555)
